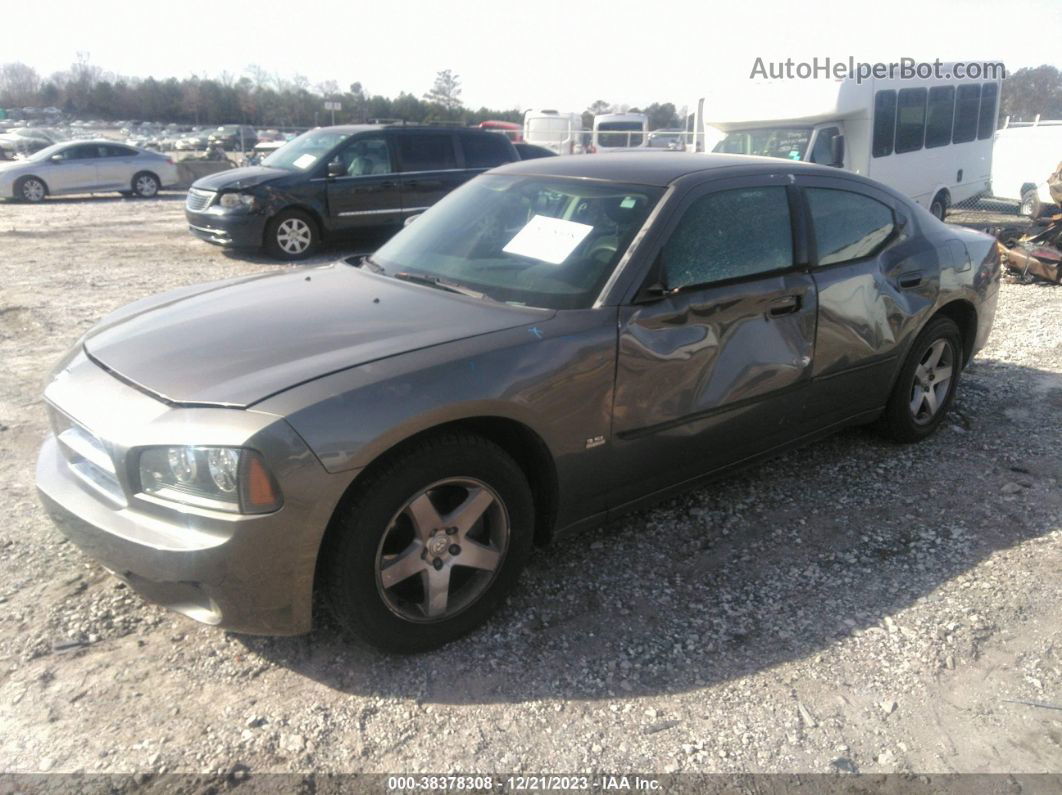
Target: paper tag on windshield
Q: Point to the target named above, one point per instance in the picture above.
(304, 161)
(548, 239)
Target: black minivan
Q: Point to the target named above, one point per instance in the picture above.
(332, 182)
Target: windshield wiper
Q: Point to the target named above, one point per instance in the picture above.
(440, 284)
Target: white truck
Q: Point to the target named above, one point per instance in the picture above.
(556, 130)
(1024, 156)
(619, 131)
(930, 139)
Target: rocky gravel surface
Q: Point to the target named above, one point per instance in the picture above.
(854, 606)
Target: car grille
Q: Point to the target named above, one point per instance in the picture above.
(88, 457)
(199, 200)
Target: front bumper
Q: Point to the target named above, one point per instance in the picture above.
(245, 573)
(235, 230)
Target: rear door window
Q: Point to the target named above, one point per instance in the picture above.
(485, 151)
(426, 151)
(848, 225)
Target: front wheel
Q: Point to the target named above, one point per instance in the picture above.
(926, 385)
(31, 189)
(430, 545)
(291, 235)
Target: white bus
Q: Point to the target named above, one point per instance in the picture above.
(556, 130)
(930, 139)
(619, 131)
(1024, 156)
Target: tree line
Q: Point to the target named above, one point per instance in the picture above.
(264, 99)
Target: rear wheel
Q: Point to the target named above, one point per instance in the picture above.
(31, 189)
(146, 185)
(291, 235)
(1031, 204)
(926, 384)
(939, 206)
(431, 545)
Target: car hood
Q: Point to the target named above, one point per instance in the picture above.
(237, 342)
(239, 178)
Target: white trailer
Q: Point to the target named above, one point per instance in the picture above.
(562, 132)
(619, 131)
(930, 139)
(1024, 156)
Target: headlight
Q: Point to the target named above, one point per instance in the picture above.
(233, 200)
(222, 478)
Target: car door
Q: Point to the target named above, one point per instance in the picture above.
(429, 166)
(116, 169)
(715, 367)
(875, 279)
(366, 193)
(74, 169)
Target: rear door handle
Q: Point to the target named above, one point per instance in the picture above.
(784, 306)
(910, 279)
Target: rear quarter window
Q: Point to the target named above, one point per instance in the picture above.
(848, 226)
(426, 152)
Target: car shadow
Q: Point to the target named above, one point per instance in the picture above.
(111, 198)
(764, 567)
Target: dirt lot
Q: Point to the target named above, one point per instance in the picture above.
(854, 606)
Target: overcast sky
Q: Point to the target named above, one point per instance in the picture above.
(517, 54)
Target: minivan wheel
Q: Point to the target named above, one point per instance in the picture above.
(31, 189)
(146, 185)
(291, 235)
(926, 384)
(430, 545)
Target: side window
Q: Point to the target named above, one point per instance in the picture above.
(847, 225)
(366, 156)
(986, 124)
(939, 117)
(730, 234)
(910, 119)
(485, 151)
(81, 152)
(884, 122)
(967, 104)
(118, 151)
(822, 151)
(426, 151)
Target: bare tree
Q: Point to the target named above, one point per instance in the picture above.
(19, 84)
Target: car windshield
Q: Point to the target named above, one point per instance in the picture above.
(306, 150)
(534, 241)
(790, 143)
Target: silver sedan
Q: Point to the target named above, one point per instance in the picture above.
(87, 167)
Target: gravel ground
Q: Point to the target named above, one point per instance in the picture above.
(853, 606)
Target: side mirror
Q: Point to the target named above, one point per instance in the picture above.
(653, 292)
(837, 151)
(335, 169)
(411, 219)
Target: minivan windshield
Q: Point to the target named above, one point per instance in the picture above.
(535, 241)
(306, 150)
(790, 143)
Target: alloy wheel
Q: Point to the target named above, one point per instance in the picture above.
(146, 186)
(294, 235)
(33, 190)
(932, 379)
(442, 550)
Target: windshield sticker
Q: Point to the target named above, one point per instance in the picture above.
(304, 161)
(628, 202)
(548, 239)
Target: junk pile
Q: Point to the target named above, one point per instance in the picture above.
(1036, 252)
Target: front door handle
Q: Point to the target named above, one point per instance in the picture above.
(910, 279)
(784, 306)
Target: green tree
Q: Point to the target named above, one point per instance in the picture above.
(446, 92)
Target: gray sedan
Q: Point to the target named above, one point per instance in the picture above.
(87, 167)
(557, 342)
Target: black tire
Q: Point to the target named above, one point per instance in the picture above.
(291, 235)
(900, 422)
(146, 185)
(1031, 204)
(31, 189)
(365, 523)
(939, 206)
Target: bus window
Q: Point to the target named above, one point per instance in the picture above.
(939, 116)
(910, 119)
(884, 122)
(967, 103)
(986, 124)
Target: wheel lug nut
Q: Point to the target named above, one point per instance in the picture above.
(454, 549)
(437, 563)
(451, 531)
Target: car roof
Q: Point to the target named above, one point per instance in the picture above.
(350, 129)
(659, 168)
